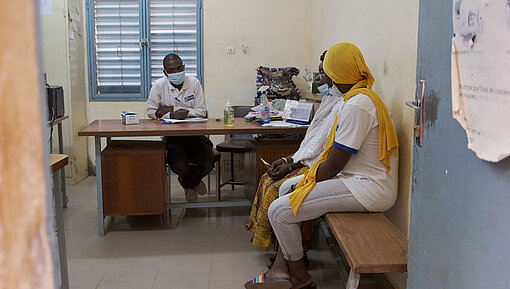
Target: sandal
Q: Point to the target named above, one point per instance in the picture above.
(310, 286)
(261, 282)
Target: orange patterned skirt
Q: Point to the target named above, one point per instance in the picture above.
(258, 223)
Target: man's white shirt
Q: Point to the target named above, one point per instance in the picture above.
(190, 97)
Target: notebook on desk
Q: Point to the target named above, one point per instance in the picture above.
(186, 120)
(298, 110)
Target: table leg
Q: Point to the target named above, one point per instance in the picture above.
(353, 281)
(99, 182)
(62, 255)
(65, 200)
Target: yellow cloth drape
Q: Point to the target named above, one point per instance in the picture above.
(308, 182)
(344, 64)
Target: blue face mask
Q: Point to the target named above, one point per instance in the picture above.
(324, 89)
(176, 78)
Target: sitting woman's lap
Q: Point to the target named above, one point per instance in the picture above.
(327, 196)
(258, 223)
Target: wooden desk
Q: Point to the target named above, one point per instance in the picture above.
(58, 122)
(148, 127)
(58, 162)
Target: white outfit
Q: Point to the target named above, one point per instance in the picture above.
(317, 133)
(363, 184)
(365, 176)
(190, 97)
(330, 195)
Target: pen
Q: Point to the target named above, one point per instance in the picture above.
(268, 165)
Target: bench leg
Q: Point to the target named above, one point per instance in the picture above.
(353, 281)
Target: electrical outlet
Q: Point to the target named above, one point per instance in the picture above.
(231, 50)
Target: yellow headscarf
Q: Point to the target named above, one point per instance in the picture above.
(344, 64)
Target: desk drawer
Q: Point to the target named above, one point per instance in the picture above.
(133, 175)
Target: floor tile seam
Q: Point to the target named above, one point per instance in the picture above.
(101, 280)
(161, 264)
(214, 246)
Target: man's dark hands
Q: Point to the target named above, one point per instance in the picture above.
(163, 110)
(179, 114)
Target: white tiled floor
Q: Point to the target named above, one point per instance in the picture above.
(193, 248)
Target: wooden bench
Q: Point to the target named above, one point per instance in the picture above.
(370, 243)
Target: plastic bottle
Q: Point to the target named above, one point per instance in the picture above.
(228, 115)
(265, 113)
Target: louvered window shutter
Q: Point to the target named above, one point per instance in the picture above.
(128, 40)
(173, 29)
(117, 47)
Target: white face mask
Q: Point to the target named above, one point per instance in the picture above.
(176, 78)
(324, 89)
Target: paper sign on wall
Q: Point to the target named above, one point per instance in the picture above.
(481, 75)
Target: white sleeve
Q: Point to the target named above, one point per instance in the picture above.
(353, 126)
(200, 109)
(153, 101)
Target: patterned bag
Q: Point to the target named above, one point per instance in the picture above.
(279, 81)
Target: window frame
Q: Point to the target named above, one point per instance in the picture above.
(145, 54)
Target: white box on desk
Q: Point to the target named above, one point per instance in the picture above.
(129, 117)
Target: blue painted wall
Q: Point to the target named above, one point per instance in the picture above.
(460, 205)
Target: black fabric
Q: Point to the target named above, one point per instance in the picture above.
(190, 157)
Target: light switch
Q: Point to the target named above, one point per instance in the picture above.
(231, 50)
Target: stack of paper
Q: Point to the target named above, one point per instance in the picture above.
(193, 119)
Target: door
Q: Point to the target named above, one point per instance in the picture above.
(460, 205)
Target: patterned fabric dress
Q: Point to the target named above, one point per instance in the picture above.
(258, 223)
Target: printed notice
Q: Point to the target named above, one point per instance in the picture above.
(480, 75)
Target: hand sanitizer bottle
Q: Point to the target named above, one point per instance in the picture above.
(228, 115)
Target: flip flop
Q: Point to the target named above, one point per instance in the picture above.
(261, 282)
(310, 286)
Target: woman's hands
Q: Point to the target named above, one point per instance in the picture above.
(279, 171)
(276, 171)
(280, 168)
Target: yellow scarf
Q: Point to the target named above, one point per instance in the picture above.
(344, 64)
(308, 182)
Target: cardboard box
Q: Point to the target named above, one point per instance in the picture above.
(238, 167)
(129, 117)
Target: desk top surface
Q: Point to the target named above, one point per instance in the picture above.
(149, 127)
(59, 120)
(58, 161)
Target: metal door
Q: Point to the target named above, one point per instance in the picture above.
(460, 205)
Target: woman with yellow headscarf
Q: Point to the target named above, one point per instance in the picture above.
(356, 172)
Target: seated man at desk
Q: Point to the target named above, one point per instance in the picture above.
(177, 95)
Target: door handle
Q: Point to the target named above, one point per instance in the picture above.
(419, 105)
(414, 104)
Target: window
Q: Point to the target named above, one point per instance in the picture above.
(128, 40)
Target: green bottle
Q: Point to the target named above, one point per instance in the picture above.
(228, 115)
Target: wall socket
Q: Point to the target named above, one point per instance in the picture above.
(231, 50)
